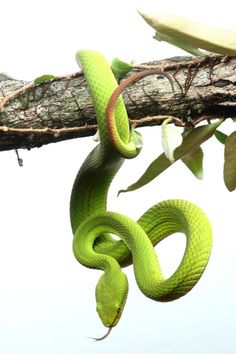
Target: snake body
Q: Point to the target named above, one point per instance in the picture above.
(92, 224)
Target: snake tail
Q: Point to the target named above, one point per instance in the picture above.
(135, 137)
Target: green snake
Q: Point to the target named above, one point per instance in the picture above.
(93, 225)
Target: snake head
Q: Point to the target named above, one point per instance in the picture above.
(111, 294)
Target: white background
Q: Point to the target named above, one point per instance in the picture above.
(47, 302)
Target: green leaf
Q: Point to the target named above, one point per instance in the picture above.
(171, 139)
(193, 160)
(190, 35)
(221, 136)
(190, 142)
(120, 68)
(43, 78)
(230, 162)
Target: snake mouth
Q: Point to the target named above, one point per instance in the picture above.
(109, 328)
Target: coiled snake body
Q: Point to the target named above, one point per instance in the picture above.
(93, 225)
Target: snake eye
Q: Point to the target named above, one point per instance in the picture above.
(98, 308)
(118, 309)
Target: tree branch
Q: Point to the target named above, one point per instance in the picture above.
(32, 115)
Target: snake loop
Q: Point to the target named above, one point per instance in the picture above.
(92, 224)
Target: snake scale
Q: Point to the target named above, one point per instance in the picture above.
(93, 225)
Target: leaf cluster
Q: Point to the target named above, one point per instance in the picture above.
(191, 154)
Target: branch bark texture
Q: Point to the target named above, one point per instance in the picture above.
(32, 115)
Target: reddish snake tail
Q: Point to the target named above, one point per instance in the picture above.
(116, 93)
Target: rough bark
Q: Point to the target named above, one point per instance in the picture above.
(35, 114)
